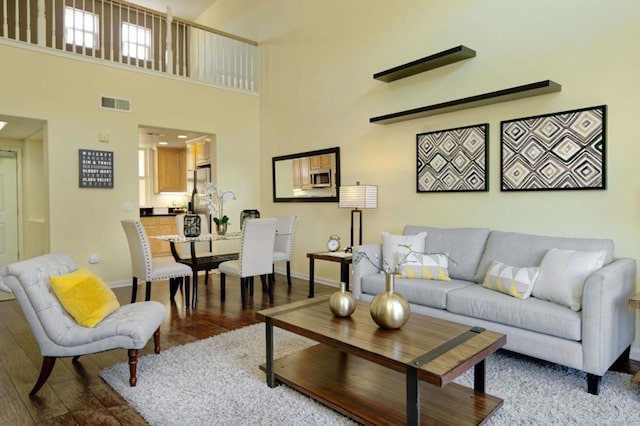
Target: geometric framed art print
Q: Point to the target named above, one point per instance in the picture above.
(453, 160)
(559, 151)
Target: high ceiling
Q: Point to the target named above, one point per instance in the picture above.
(185, 9)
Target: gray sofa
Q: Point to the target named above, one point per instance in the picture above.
(590, 339)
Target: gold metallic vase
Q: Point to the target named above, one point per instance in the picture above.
(390, 309)
(342, 303)
(221, 228)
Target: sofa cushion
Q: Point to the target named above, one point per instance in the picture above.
(420, 291)
(430, 266)
(84, 296)
(516, 282)
(530, 314)
(464, 245)
(394, 250)
(518, 249)
(562, 275)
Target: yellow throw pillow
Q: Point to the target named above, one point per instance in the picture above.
(85, 296)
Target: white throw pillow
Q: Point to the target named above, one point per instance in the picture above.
(511, 280)
(562, 275)
(392, 248)
(431, 266)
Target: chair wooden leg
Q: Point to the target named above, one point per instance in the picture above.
(47, 366)
(243, 292)
(75, 359)
(134, 290)
(156, 341)
(206, 278)
(250, 284)
(263, 279)
(174, 284)
(187, 291)
(133, 367)
(272, 281)
(289, 273)
(223, 282)
(147, 291)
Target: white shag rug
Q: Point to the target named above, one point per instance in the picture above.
(217, 381)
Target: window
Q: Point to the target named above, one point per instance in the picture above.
(136, 41)
(80, 27)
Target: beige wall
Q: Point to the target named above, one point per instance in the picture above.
(65, 92)
(318, 91)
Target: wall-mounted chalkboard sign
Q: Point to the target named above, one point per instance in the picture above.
(95, 169)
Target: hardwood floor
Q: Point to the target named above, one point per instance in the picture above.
(75, 394)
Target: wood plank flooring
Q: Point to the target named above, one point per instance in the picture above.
(76, 395)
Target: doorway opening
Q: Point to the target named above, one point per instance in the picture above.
(24, 197)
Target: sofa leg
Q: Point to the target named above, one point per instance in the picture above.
(133, 367)
(47, 366)
(593, 383)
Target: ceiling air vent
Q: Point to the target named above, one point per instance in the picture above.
(115, 104)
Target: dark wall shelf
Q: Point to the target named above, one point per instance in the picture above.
(505, 95)
(436, 60)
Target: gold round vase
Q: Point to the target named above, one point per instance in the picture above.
(221, 228)
(342, 303)
(390, 309)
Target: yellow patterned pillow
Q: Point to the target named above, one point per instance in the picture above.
(516, 282)
(423, 265)
(85, 296)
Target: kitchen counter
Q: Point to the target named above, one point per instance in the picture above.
(157, 211)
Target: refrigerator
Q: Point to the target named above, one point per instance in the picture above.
(196, 181)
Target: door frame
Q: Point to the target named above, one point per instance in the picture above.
(18, 151)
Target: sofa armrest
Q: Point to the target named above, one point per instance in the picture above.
(608, 324)
(362, 267)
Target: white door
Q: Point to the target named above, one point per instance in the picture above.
(8, 207)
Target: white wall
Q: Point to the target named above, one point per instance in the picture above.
(65, 92)
(318, 91)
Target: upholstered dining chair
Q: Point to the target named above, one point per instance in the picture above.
(284, 242)
(57, 332)
(255, 259)
(145, 268)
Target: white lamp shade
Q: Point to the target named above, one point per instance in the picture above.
(359, 197)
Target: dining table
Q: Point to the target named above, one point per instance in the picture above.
(199, 263)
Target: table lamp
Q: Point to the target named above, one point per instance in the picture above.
(358, 197)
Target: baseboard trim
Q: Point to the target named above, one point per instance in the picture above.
(634, 354)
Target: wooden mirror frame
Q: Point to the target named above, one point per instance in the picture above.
(333, 198)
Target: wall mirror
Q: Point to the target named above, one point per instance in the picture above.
(312, 176)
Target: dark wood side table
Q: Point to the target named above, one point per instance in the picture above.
(634, 302)
(345, 260)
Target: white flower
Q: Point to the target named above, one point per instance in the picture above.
(215, 200)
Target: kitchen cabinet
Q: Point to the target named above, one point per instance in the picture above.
(199, 153)
(159, 225)
(301, 175)
(320, 162)
(170, 170)
(202, 152)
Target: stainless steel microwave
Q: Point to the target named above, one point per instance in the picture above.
(320, 178)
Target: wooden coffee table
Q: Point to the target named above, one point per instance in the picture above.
(378, 376)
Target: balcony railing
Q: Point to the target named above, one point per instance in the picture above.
(132, 35)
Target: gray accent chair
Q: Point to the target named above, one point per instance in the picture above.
(59, 335)
(256, 257)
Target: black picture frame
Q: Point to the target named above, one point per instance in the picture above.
(95, 169)
(453, 160)
(558, 151)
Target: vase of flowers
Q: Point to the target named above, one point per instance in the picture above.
(214, 201)
(390, 309)
(342, 303)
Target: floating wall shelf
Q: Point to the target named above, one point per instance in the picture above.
(505, 95)
(436, 60)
